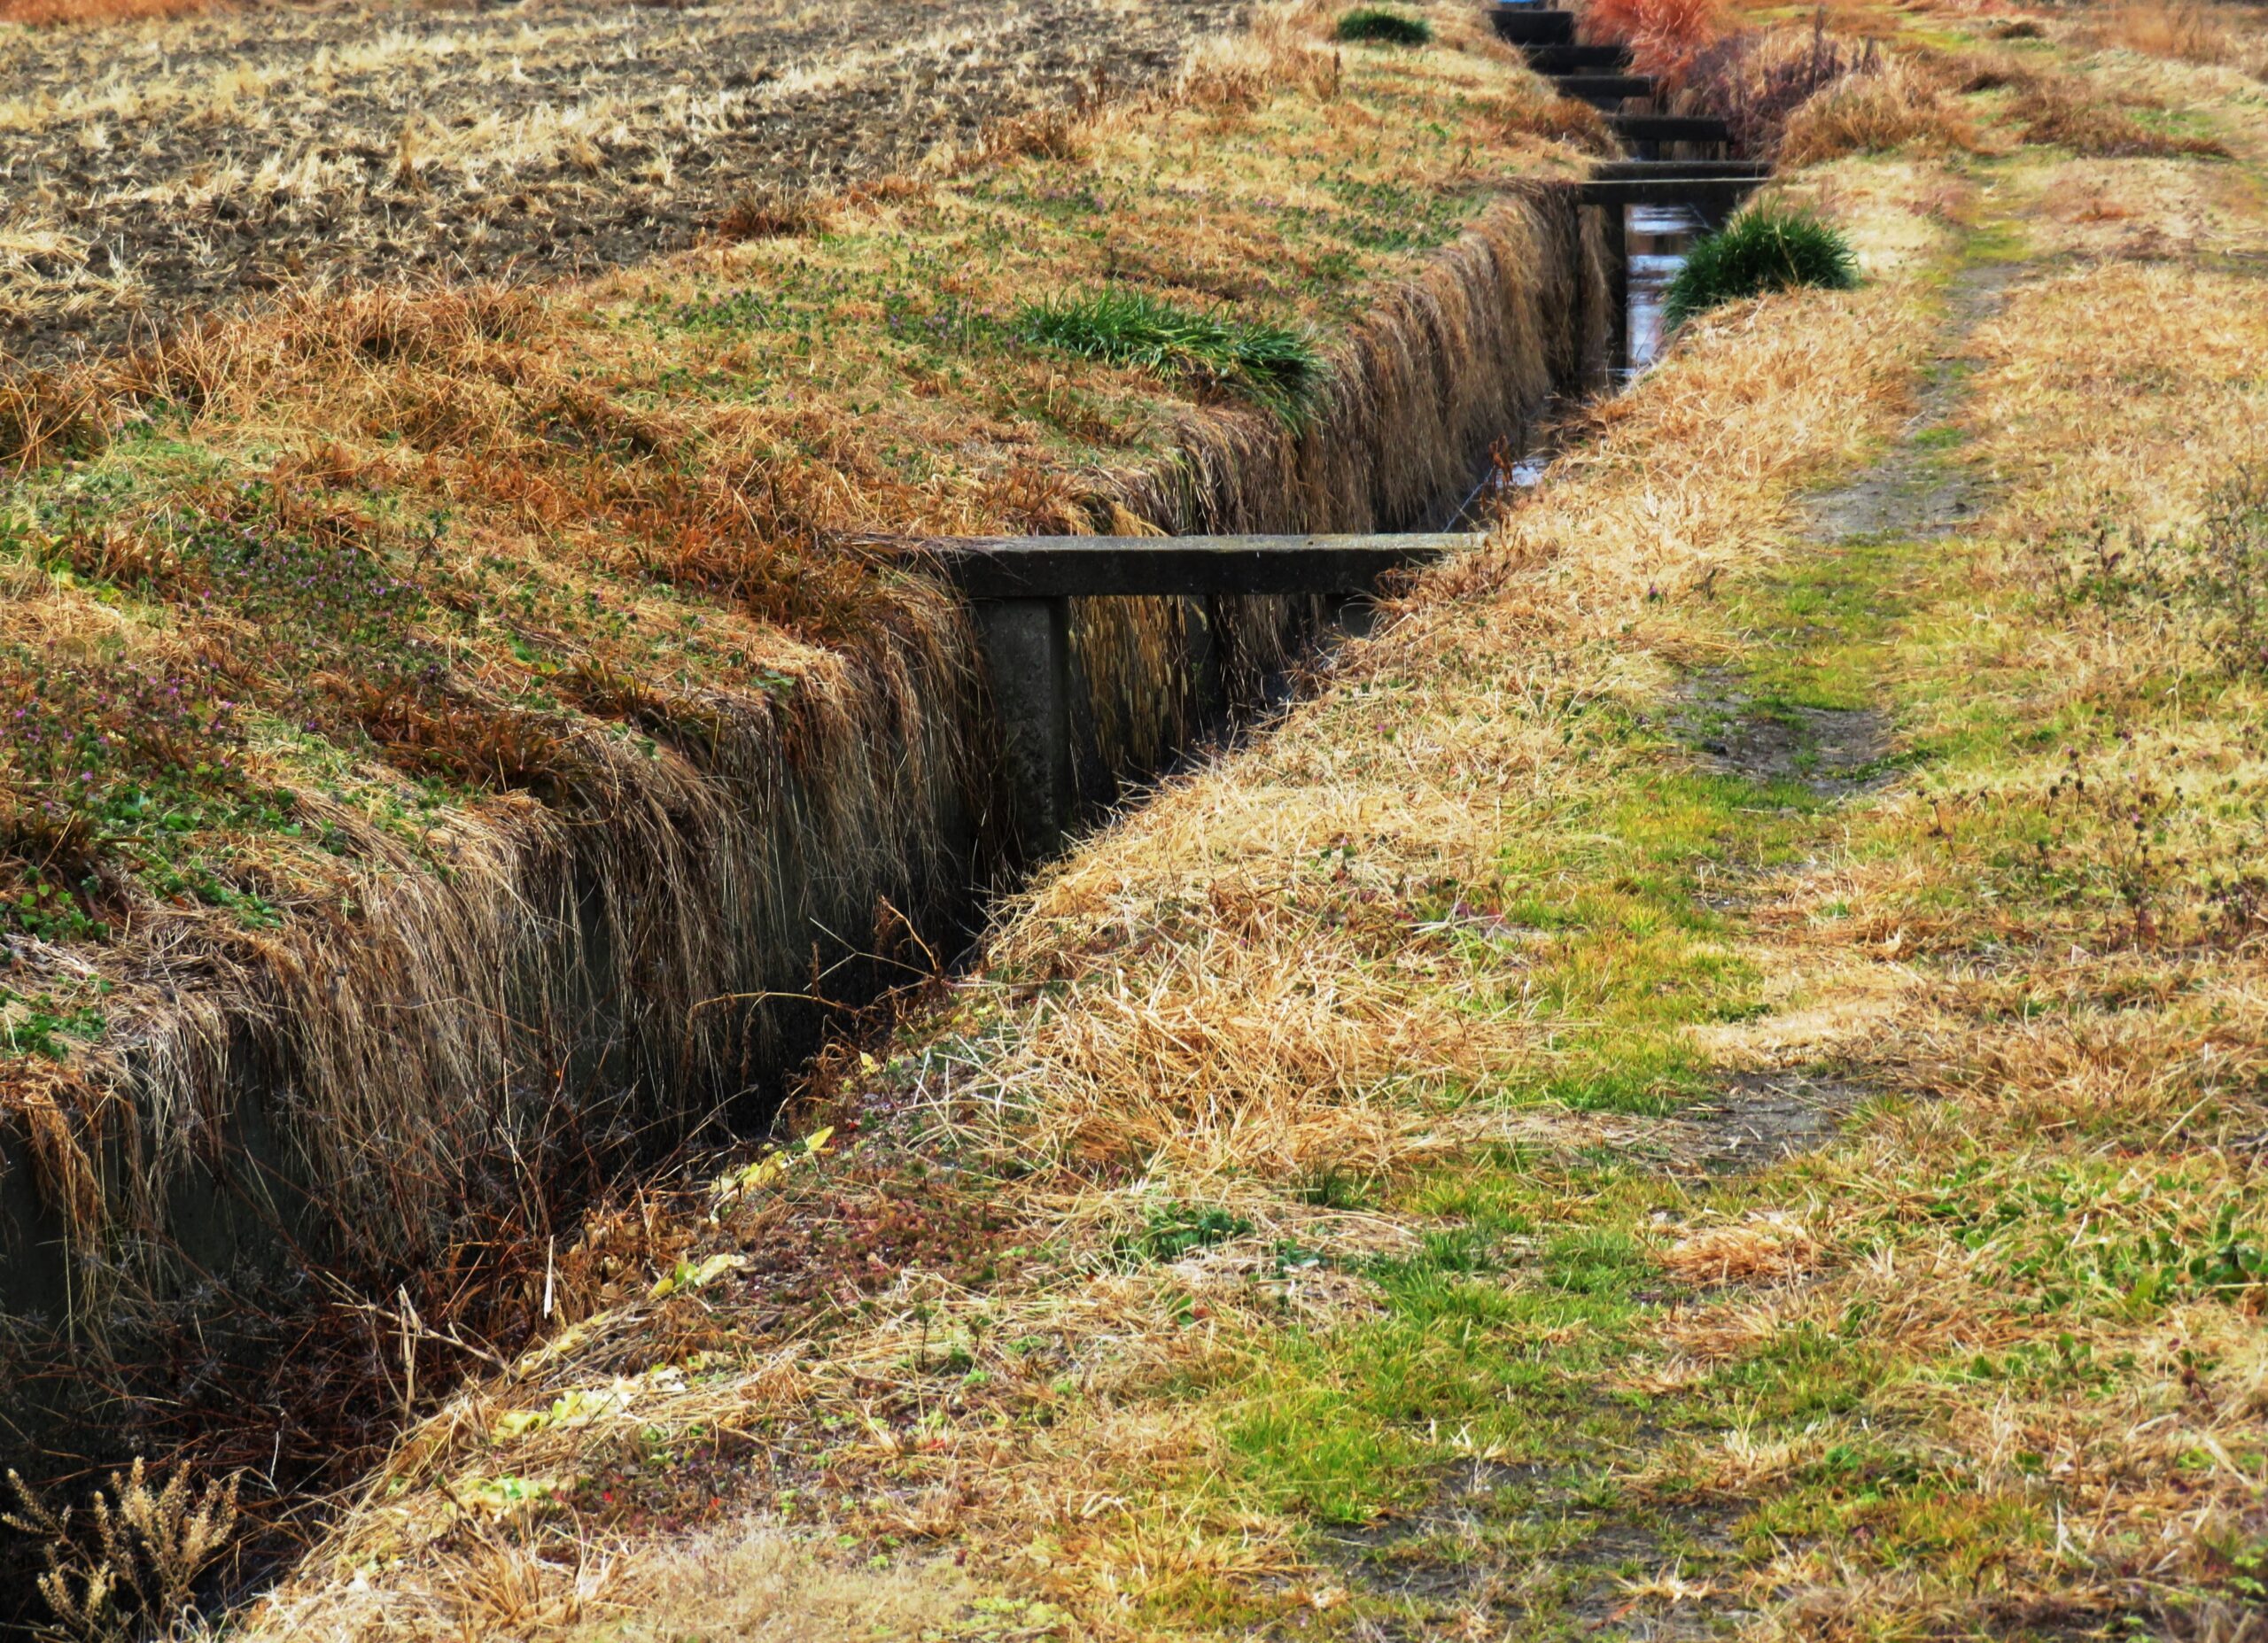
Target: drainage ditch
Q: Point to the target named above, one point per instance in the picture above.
(265, 1351)
(1658, 238)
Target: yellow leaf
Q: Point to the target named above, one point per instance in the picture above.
(518, 1422)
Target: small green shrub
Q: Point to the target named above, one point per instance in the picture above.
(1375, 23)
(1767, 250)
(1275, 365)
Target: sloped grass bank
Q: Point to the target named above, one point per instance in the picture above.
(1186, 1233)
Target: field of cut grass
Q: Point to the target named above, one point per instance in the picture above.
(1712, 1078)
(192, 162)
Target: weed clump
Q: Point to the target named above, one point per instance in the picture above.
(1766, 250)
(1275, 365)
(1873, 113)
(1380, 25)
(1665, 38)
(137, 1573)
(765, 215)
(42, 418)
(2216, 575)
(1173, 1230)
(1756, 80)
(2230, 574)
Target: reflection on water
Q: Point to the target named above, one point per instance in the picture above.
(1658, 237)
(1508, 474)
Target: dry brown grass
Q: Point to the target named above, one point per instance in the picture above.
(95, 13)
(585, 512)
(1664, 36)
(1223, 997)
(756, 1583)
(595, 719)
(1257, 986)
(2181, 29)
(1756, 79)
(1766, 1244)
(2063, 113)
(2130, 1071)
(1899, 101)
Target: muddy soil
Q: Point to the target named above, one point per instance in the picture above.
(151, 170)
(1833, 751)
(1524, 1551)
(1919, 491)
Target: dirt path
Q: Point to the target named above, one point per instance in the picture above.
(1642, 1569)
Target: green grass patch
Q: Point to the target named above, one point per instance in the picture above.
(1275, 365)
(1378, 25)
(1173, 1230)
(1344, 1427)
(1767, 250)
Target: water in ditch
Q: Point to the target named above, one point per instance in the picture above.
(1659, 238)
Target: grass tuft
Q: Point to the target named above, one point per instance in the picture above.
(1869, 114)
(1275, 365)
(1380, 25)
(1767, 250)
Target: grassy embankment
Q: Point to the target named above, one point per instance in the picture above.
(1717, 1069)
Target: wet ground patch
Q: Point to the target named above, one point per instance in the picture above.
(1922, 489)
(1537, 1550)
(1767, 739)
(1762, 1117)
